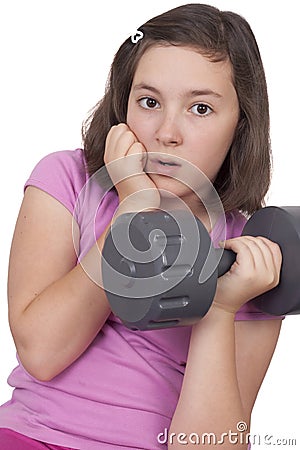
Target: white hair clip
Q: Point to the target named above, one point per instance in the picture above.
(137, 36)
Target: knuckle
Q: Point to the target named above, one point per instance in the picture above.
(269, 242)
(106, 156)
(272, 279)
(127, 133)
(276, 247)
(119, 127)
(111, 132)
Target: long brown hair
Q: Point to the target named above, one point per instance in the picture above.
(244, 177)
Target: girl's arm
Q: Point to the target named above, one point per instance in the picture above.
(227, 361)
(56, 306)
(55, 309)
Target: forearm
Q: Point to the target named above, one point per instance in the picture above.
(62, 320)
(210, 400)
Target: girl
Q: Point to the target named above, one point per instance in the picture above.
(188, 87)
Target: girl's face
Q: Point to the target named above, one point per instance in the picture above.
(182, 105)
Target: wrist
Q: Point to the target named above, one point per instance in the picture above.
(139, 200)
(223, 308)
(216, 321)
(227, 298)
(216, 315)
(129, 207)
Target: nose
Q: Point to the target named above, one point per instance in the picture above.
(169, 133)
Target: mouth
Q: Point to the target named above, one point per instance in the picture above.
(165, 162)
(162, 166)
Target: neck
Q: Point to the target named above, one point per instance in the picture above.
(196, 208)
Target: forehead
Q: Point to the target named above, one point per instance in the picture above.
(174, 66)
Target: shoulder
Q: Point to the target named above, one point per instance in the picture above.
(69, 163)
(61, 174)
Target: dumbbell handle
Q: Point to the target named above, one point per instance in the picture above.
(226, 258)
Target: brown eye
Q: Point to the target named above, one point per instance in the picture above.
(200, 109)
(148, 103)
(151, 103)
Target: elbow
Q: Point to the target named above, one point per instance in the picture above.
(34, 359)
(37, 362)
(40, 375)
(40, 371)
(37, 366)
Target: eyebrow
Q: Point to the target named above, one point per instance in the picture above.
(191, 93)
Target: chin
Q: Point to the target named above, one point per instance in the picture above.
(169, 187)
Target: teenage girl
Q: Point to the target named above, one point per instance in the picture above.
(188, 89)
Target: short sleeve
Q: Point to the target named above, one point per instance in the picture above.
(235, 222)
(92, 201)
(61, 174)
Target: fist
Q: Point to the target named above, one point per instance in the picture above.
(125, 158)
(255, 271)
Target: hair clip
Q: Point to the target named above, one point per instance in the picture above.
(137, 36)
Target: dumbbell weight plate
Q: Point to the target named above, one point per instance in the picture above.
(281, 225)
(126, 281)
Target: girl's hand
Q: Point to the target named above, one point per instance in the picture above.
(125, 159)
(255, 271)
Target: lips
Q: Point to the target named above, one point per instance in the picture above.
(162, 165)
(167, 163)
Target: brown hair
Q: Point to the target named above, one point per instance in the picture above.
(244, 177)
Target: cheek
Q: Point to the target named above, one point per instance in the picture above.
(129, 116)
(139, 127)
(231, 124)
(219, 139)
(211, 148)
(140, 124)
(229, 133)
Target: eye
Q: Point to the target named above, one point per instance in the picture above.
(148, 103)
(201, 109)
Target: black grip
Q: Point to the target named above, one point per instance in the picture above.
(227, 259)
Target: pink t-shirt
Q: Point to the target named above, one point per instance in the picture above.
(123, 390)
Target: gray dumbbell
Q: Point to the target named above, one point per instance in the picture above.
(154, 279)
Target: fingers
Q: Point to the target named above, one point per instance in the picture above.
(124, 155)
(261, 246)
(119, 140)
(272, 255)
(125, 158)
(259, 256)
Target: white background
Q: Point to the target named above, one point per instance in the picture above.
(55, 57)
